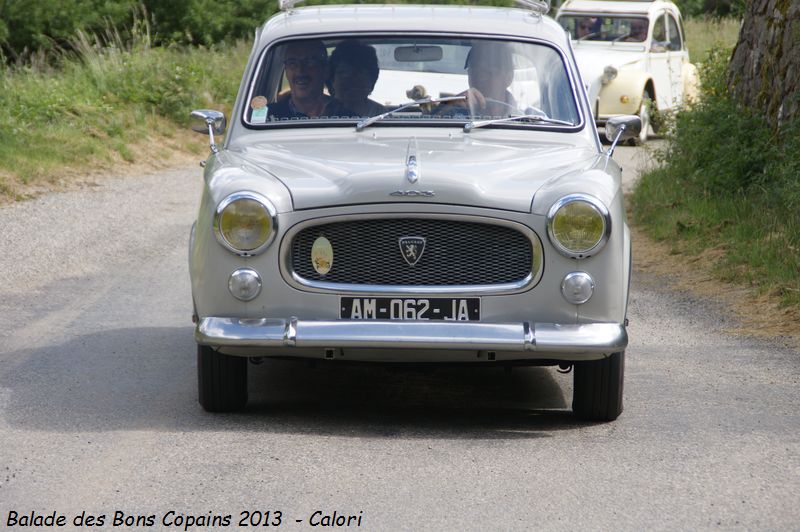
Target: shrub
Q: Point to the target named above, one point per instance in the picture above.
(728, 181)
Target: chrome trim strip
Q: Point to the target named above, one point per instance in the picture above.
(342, 288)
(540, 338)
(413, 168)
(301, 283)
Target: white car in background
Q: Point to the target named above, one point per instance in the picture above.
(632, 57)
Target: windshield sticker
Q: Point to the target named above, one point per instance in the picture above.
(259, 116)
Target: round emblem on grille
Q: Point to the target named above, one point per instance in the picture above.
(322, 255)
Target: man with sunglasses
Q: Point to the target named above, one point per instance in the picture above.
(306, 67)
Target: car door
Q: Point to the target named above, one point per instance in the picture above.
(677, 54)
(659, 63)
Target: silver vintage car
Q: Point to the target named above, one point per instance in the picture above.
(403, 183)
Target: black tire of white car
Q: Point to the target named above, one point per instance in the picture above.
(644, 113)
(597, 394)
(221, 380)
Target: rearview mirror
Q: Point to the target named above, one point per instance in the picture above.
(408, 54)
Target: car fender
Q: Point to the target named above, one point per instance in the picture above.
(691, 83)
(623, 95)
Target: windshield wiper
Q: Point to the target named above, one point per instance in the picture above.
(469, 126)
(371, 120)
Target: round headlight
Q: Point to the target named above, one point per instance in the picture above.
(609, 74)
(578, 225)
(245, 223)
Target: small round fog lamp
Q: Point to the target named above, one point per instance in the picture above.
(245, 284)
(577, 287)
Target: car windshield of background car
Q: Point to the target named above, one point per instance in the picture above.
(296, 81)
(605, 28)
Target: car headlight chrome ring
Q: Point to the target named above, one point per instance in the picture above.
(245, 223)
(578, 225)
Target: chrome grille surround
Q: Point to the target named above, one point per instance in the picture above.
(533, 262)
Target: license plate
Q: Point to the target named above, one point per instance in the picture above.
(385, 308)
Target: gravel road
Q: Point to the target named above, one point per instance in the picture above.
(99, 417)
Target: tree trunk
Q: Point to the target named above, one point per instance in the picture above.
(765, 68)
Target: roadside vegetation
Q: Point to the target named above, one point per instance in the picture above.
(101, 102)
(705, 33)
(728, 189)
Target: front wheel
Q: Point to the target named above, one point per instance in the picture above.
(597, 394)
(645, 113)
(221, 380)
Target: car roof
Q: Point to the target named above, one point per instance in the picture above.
(479, 20)
(643, 7)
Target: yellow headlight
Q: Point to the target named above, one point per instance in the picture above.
(577, 225)
(244, 223)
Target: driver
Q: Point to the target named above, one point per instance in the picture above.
(638, 31)
(490, 70)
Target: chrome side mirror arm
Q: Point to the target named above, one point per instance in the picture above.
(620, 128)
(610, 150)
(211, 142)
(210, 122)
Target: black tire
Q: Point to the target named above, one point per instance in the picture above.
(597, 394)
(646, 112)
(221, 380)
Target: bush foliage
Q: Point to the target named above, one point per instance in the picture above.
(728, 181)
(713, 8)
(28, 26)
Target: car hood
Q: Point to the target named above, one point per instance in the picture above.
(476, 169)
(593, 59)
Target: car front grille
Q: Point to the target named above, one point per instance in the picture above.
(456, 253)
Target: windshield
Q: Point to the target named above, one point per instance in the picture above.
(605, 28)
(348, 79)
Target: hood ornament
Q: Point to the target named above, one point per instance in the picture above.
(412, 247)
(413, 170)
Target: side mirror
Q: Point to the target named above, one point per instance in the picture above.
(622, 127)
(206, 117)
(210, 122)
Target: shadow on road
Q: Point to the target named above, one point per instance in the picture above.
(128, 379)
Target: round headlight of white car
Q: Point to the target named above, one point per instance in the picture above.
(609, 74)
(245, 223)
(578, 225)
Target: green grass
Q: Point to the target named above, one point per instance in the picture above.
(95, 108)
(704, 34)
(730, 183)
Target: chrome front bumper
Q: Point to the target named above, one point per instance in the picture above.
(529, 340)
